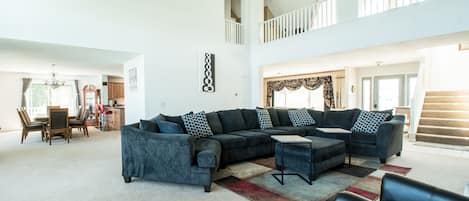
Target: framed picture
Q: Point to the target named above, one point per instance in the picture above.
(133, 79)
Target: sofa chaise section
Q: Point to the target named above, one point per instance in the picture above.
(176, 158)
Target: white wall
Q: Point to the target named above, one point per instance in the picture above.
(134, 97)
(170, 35)
(427, 19)
(280, 7)
(11, 86)
(448, 68)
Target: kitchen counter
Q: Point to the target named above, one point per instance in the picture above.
(117, 119)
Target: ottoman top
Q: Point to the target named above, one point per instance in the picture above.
(334, 130)
(290, 139)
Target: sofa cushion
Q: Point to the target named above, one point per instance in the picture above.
(174, 119)
(250, 118)
(303, 131)
(169, 127)
(361, 138)
(228, 141)
(149, 126)
(283, 117)
(253, 138)
(232, 120)
(369, 122)
(301, 118)
(197, 124)
(271, 131)
(318, 116)
(264, 119)
(292, 130)
(340, 119)
(214, 122)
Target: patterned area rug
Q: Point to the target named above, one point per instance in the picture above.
(253, 180)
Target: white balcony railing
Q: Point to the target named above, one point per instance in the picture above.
(321, 14)
(372, 7)
(234, 32)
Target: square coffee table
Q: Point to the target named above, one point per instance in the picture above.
(340, 131)
(290, 139)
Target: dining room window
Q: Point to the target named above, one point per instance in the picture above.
(301, 98)
(40, 96)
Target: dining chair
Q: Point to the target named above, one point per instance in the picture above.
(29, 126)
(81, 123)
(58, 124)
(28, 118)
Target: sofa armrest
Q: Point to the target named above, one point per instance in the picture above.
(207, 159)
(349, 197)
(145, 153)
(208, 153)
(389, 137)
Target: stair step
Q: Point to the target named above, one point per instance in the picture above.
(441, 130)
(441, 139)
(448, 93)
(445, 114)
(446, 106)
(457, 123)
(446, 99)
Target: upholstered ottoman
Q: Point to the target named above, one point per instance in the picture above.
(310, 160)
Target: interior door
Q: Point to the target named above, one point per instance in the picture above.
(389, 92)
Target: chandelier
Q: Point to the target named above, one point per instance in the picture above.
(53, 82)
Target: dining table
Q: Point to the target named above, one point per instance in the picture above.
(46, 119)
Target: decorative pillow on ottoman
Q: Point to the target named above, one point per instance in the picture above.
(197, 125)
(369, 122)
(264, 118)
(300, 118)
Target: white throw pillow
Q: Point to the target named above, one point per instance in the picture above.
(369, 122)
(301, 118)
(197, 125)
(264, 119)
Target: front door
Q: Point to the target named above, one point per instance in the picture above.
(389, 92)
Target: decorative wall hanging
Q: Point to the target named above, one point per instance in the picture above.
(208, 81)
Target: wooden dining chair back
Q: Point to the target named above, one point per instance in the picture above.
(81, 123)
(26, 115)
(28, 126)
(58, 124)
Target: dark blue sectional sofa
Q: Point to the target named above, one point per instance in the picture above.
(181, 158)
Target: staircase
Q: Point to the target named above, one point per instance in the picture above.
(445, 118)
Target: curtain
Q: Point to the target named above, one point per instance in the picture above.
(309, 83)
(77, 90)
(338, 86)
(26, 84)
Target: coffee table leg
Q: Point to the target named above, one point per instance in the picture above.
(283, 162)
(350, 150)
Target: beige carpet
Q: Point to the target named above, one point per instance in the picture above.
(90, 169)
(86, 169)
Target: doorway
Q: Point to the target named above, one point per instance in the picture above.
(388, 91)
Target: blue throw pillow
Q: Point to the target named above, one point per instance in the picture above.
(169, 127)
(149, 126)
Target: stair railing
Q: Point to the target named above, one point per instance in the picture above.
(321, 14)
(234, 32)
